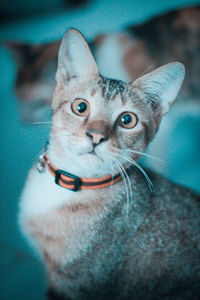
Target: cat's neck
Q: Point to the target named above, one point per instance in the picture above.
(46, 195)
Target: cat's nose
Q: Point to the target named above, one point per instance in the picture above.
(97, 136)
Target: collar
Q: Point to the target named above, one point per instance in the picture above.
(72, 182)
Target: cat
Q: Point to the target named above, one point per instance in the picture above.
(35, 78)
(101, 232)
(170, 36)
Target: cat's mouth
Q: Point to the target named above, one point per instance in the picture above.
(92, 154)
(89, 152)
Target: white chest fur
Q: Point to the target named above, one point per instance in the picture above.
(48, 223)
(41, 194)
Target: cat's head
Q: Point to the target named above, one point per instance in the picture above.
(35, 77)
(101, 123)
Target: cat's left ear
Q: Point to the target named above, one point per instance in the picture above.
(161, 86)
(75, 58)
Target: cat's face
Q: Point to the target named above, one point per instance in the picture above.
(100, 122)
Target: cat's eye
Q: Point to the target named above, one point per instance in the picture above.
(127, 120)
(81, 107)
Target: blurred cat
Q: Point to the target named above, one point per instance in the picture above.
(102, 238)
(35, 78)
(125, 55)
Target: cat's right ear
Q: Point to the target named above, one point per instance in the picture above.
(75, 59)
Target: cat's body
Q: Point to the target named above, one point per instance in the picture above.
(122, 241)
(94, 250)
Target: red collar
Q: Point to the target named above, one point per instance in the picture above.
(75, 183)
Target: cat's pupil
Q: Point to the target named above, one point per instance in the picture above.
(82, 107)
(126, 119)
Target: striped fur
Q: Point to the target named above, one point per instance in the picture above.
(120, 242)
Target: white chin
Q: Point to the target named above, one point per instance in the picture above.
(90, 164)
(91, 158)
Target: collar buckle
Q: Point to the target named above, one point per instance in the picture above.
(40, 164)
(76, 179)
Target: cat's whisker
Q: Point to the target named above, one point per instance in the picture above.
(125, 183)
(124, 178)
(150, 184)
(149, 68)
(128, 184)
(157, 159)
(113, 171)
(39, 123)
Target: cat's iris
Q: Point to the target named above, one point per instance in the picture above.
(81, 107)
(127, 120)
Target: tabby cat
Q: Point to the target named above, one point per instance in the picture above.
(86, 206)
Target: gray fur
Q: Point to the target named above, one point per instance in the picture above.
(153, 253)
(103, 244)
(112, 87)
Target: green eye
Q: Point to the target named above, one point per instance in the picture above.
(81, 107)
(127, 120)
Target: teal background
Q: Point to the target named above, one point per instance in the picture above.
(21, 274)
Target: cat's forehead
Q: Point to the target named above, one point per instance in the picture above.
(111, 88)
(104, 88)
(104, 93)
(113, 92)
(119, 93)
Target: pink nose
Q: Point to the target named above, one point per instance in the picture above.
(97, 136)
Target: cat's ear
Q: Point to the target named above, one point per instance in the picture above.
(161, 86)
(75, 58)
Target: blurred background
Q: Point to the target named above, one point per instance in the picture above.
(21, 274)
